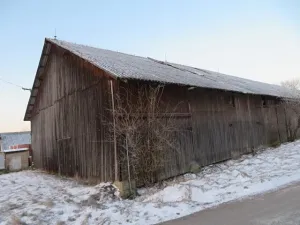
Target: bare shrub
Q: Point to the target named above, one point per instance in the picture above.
(145, 128)
(292, 85)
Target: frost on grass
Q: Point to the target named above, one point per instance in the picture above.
(34, 197)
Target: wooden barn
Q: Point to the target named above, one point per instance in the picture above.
(74, 96)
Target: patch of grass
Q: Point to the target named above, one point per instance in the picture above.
(275, 144)
(3, 172)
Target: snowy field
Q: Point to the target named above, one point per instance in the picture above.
(34, 197)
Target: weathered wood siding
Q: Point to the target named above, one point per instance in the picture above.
(226, 125)
(219, 125)
(68, 123)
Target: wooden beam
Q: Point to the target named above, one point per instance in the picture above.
(114, 133)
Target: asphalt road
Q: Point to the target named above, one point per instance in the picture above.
(281, 207)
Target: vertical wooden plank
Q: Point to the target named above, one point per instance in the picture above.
(65, 130)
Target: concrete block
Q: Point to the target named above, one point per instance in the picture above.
(124, 188)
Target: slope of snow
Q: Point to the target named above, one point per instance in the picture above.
(34, 197)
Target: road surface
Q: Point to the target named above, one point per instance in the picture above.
(281, 207)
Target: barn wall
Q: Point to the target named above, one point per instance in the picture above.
(227, 125)
(68, 122)
(218, 125)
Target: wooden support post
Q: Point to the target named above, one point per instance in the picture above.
(114, 132)
(278, 129)
(128, 165)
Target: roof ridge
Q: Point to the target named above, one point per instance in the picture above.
(97, 48)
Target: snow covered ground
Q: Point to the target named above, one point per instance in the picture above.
(34, 197)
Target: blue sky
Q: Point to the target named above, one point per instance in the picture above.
(259, 40)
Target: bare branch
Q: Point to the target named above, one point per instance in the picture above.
(145, 127)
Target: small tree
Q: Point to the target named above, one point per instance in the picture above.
(144, 127)
(293, 106)
(293, 85)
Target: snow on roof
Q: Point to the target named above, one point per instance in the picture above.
(15, 150)
(16, 138)
(135, 67)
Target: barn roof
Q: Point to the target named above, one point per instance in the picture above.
(125, 66)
